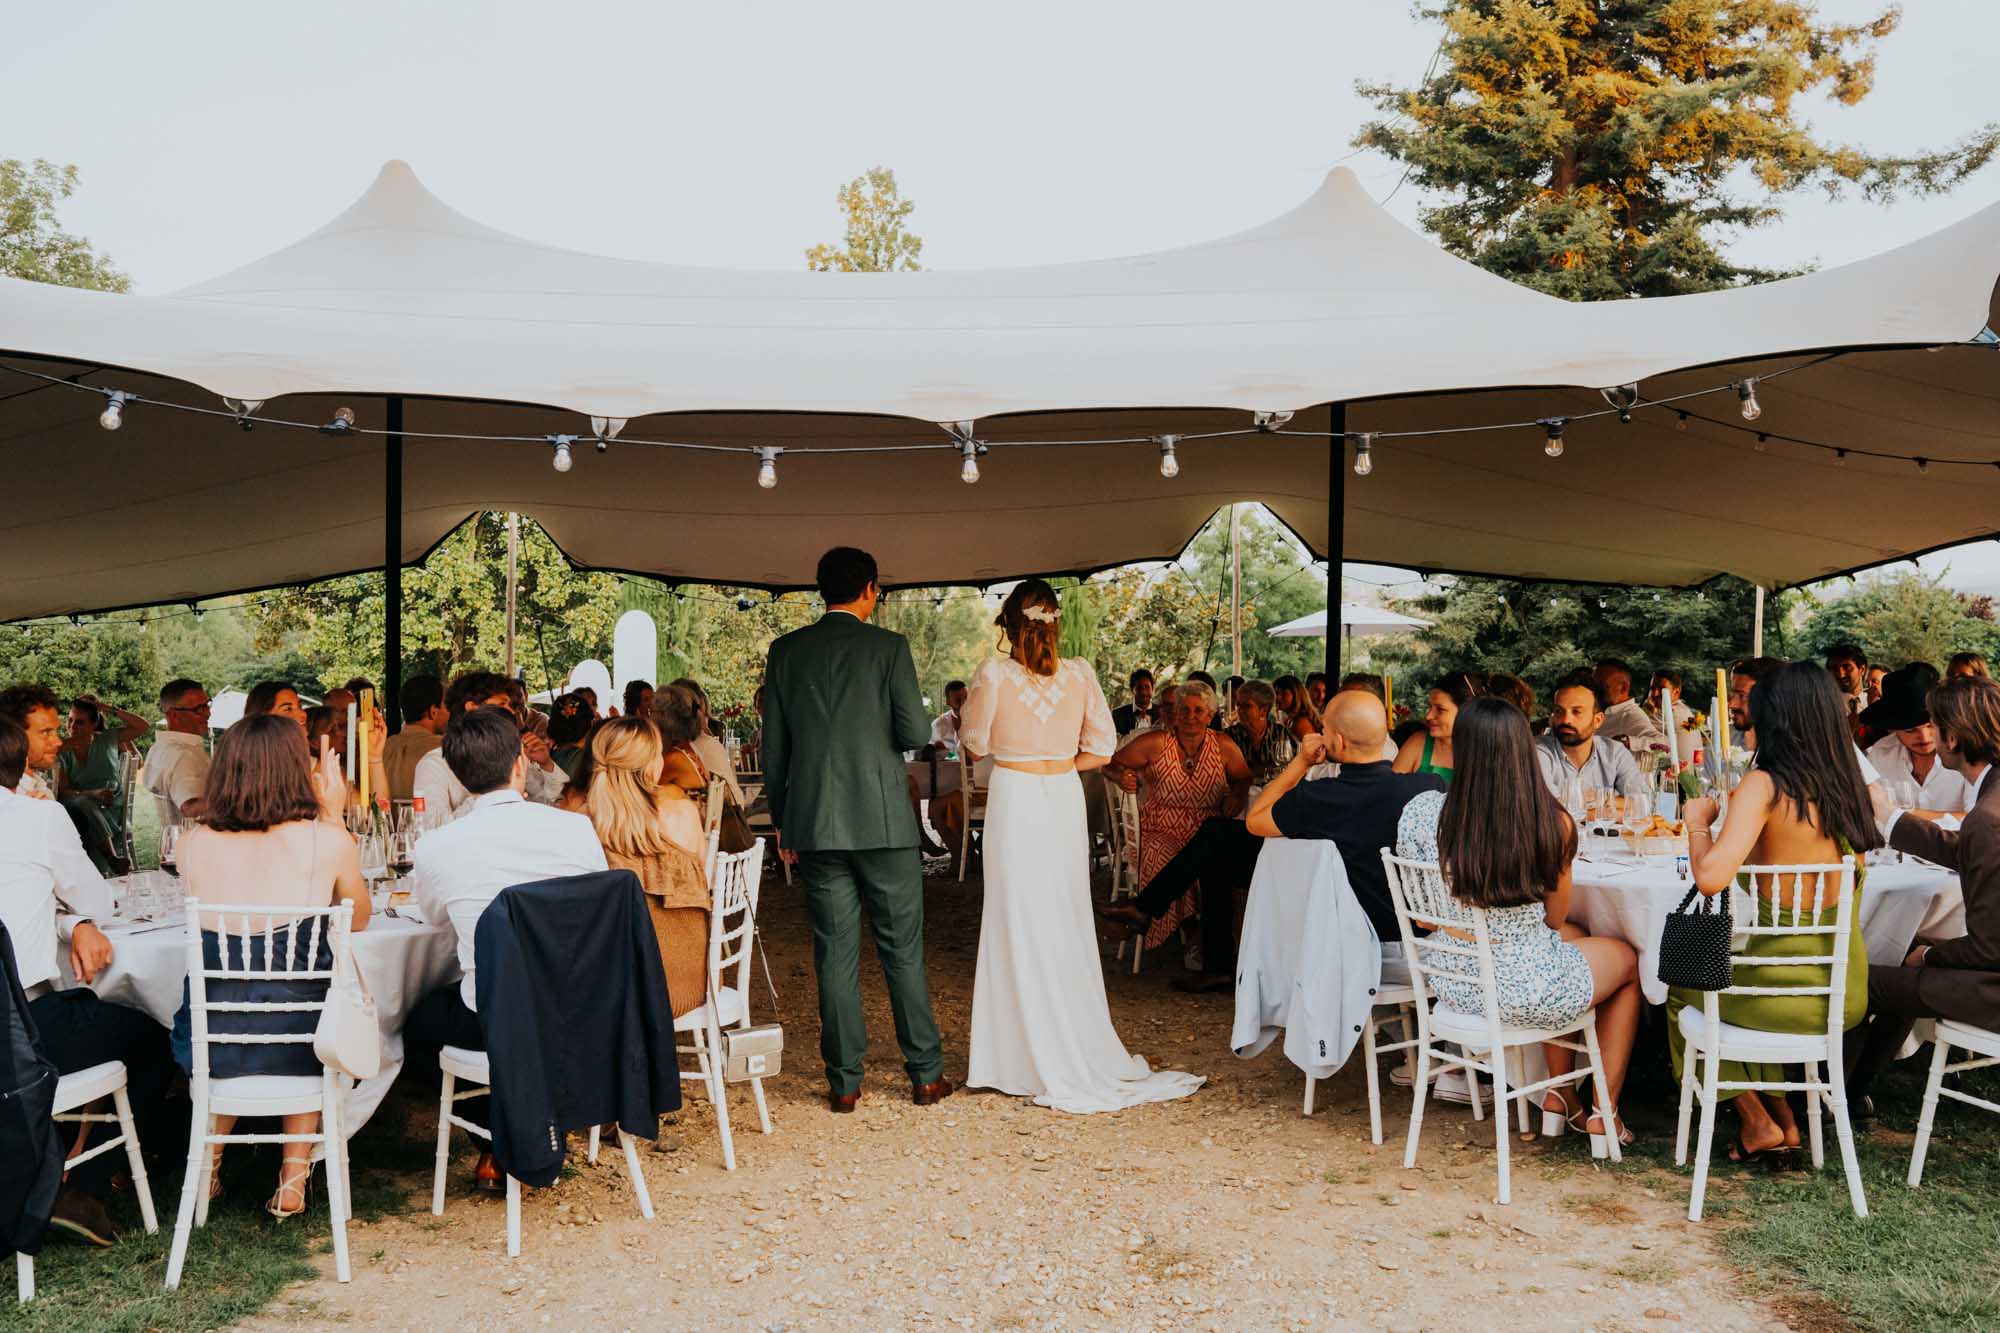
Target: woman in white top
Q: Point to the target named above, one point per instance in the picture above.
(1041, 1026)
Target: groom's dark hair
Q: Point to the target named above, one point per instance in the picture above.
(844, 574)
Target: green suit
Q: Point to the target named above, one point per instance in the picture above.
(841, 704)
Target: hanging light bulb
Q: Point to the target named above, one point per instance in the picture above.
(1364, 463)
(1761, 438)
(342, 423)
(1269, 421)
(1553, 447)
(1170, 466)
(1840, 458)
(1623, 398)
(767, 467)
(969, 473)
(113, 415)
(1747, 392)
(1681, 422)
(563, 461)
(1923, 467)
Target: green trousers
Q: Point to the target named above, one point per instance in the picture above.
(890, 882)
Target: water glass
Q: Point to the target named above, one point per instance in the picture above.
(170, 840)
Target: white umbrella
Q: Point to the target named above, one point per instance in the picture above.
(1354, 619)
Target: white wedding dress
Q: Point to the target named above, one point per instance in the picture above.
(1041, 1026)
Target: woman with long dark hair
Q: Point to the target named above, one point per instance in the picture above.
(1434, 754)
(1804, 803)
(1503, 843)
(1041, 1026)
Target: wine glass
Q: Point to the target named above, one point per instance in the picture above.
(170, 841)
(402, 846)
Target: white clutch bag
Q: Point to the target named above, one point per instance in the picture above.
(349, 1037)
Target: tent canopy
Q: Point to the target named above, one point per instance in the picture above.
(1354, 619)
(1334, 302)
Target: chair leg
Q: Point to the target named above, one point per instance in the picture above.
(1419, 1087)
(337, 1206)
(513, 1218)
(1603, 1089)
(209, 1153)
(1501, 1134)
(24, 1277)
(135, 1161)
(1711, 1066)
(718, 1093)
(763, 1107)
(1138, 952)
(1940, 1057)
(1310, 1083)
(1815, 1099)
(1688, 1062)
(450, 1085)
(191, 1185)
(1374, 1080)
(965, 842)
(591, 1157)
(1472, 1087)
(637, 1173)
(1843, 1129)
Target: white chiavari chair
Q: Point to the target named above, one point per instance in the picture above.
(1122, 824)
(973, 794)
(732, 928)
(1984, 1048)
(81, 1090)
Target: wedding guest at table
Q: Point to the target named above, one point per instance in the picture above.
(329, 725)
(1214, 688)
(502, 839)
(653, 829)
(1681, 729)
(1127, 716)
(570, 718)
(445, 797)
(1907, 757)
(421, 703)
(714, 755)
(1191, 773)
(37, 712)
(87, 773)
(1743, 677)
(1967, 664)
(1958, 978)
(281, 698)
(1503, 843)
(264, 841)
(1574, 755)
(639, 698)
(1316, 690)
(1362, 680)
(1515, 691)
(944, 731)
(1295, 710)
(1625, 721)
(1433, 753)
(575, 796)
(176, 768)
(1804, 803)
(51, 900)
(1265, 746)
(1875, 675)
(1368, 683)
(1163, 705)
(1848, 665)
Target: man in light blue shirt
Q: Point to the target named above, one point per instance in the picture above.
(1572, 753)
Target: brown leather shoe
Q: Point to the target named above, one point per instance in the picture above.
(1125, 914)
(930, 1094)
(841, 1103)
(486, 1178)
(81, 1217)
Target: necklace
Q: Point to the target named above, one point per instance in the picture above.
(1187, 762)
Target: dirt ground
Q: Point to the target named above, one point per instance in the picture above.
(1227, 1210)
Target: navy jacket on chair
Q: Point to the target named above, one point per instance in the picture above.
(579, 1029)
(29, 1146)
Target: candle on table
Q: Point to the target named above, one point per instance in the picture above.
(367, 725)
(350, 742)
(1722, 697)
(1668, 724)
(1389, 699)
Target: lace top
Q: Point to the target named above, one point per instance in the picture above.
(1014, 715)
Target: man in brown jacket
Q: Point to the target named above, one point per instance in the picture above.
(1957, 979)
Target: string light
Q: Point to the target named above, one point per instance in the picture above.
(1746, 392)
(1553, 447)
(1761, 438)
(1269, 421)
(1681, 422)
(969, 473)
(563, 461)
(1840, 458)
(767, 466)
(1364, 463)
(342, 423)
(1923, 467)
(1170, 466)
(113, 415)
(1622, 400)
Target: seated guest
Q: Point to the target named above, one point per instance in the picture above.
(1191, 773)
(1515, 691)
(1295, 710)
(677, 714)
(1848, 666)
(87, 778)
(37, 712)
(588, 693)
(421, 703)
(1573, 755)
(569, 728)
(947, 809)
(1876, 673)
(263, 841)
(1433, 755)
(638, 698)
(1967, 664)
(445, 797)
(1743, 677)
(1668, 681)
(499, 841)
(652, 829)
(176, 768)
(1316, 691)
(1957, 979)
(944, 731)
(1625, 721)
(1363, 682)
(51, 898)
(1215, 689)
(713, 754)
(1912, 772)
(276, 696)
(1502, 843)
(575, 796)
(1163, 705)
(1127, 717)
(1803, 804)
(328, 725)
(1265, 746)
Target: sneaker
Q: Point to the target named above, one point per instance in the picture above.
(1446, 1087)
(83, 1218)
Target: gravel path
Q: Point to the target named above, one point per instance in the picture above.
(1228, 1210)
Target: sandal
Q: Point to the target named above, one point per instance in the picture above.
(300, 1185)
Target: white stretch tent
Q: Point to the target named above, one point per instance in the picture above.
(421, 318)
(1354, 619)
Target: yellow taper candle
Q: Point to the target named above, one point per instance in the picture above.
(367, 730)
(1389, 699)
(1722, 701)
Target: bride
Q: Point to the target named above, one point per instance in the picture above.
(1041, 1027)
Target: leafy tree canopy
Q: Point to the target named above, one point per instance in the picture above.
(1901, 618)
(876, 241)
(33, 244)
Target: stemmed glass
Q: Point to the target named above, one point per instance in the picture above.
(170, 841)
(402, 847)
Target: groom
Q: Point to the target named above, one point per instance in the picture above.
(840, 704)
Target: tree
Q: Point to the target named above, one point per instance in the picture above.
(33, 244)
(1593, 149)
(1280, 583)
(1903, 618)
(877, 241)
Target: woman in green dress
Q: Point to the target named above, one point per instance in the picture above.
(1804, 803)
(1429, 751)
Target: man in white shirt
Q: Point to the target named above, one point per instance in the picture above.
(1625, 720)
(445, 797)
(498, 841)
(1913, 773)
(36, 710)
(176, 769)
(51, 898)
(1572, 752)
(1848, 666)
(944, 731)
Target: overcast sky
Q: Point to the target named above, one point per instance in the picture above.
(717, 134)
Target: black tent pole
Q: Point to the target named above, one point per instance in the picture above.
(1336, 533)
(392, 565)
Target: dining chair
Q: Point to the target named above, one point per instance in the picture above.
(732, 924)
(1393, 1004)
(1122, 823)
(81, 1089)
(974, 797)
(1814, 893)
(1984, 1047)
(1459, 947)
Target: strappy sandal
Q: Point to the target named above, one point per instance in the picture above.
(300, 1185)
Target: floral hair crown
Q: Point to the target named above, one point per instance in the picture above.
(1040, 613)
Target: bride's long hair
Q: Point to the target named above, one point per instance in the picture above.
(1032, 634)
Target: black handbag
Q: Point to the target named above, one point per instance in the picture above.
(1694, 943)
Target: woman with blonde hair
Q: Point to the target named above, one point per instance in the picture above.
(652, 829)
(1295, 710)
(1041, 1026)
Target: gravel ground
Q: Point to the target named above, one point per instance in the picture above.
(1227, 1210)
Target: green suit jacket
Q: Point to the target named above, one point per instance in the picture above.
(841, 705)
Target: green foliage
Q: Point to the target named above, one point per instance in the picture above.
(1280, 583)
(950, 631)
(1902, 618)
(876, 240)
(1592, 150)
(33, 244)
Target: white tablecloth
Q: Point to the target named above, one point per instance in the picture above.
(401, 960)
(1615, 897)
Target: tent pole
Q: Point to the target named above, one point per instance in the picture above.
(1757, 629)
(392, 565)
(1336, 531)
